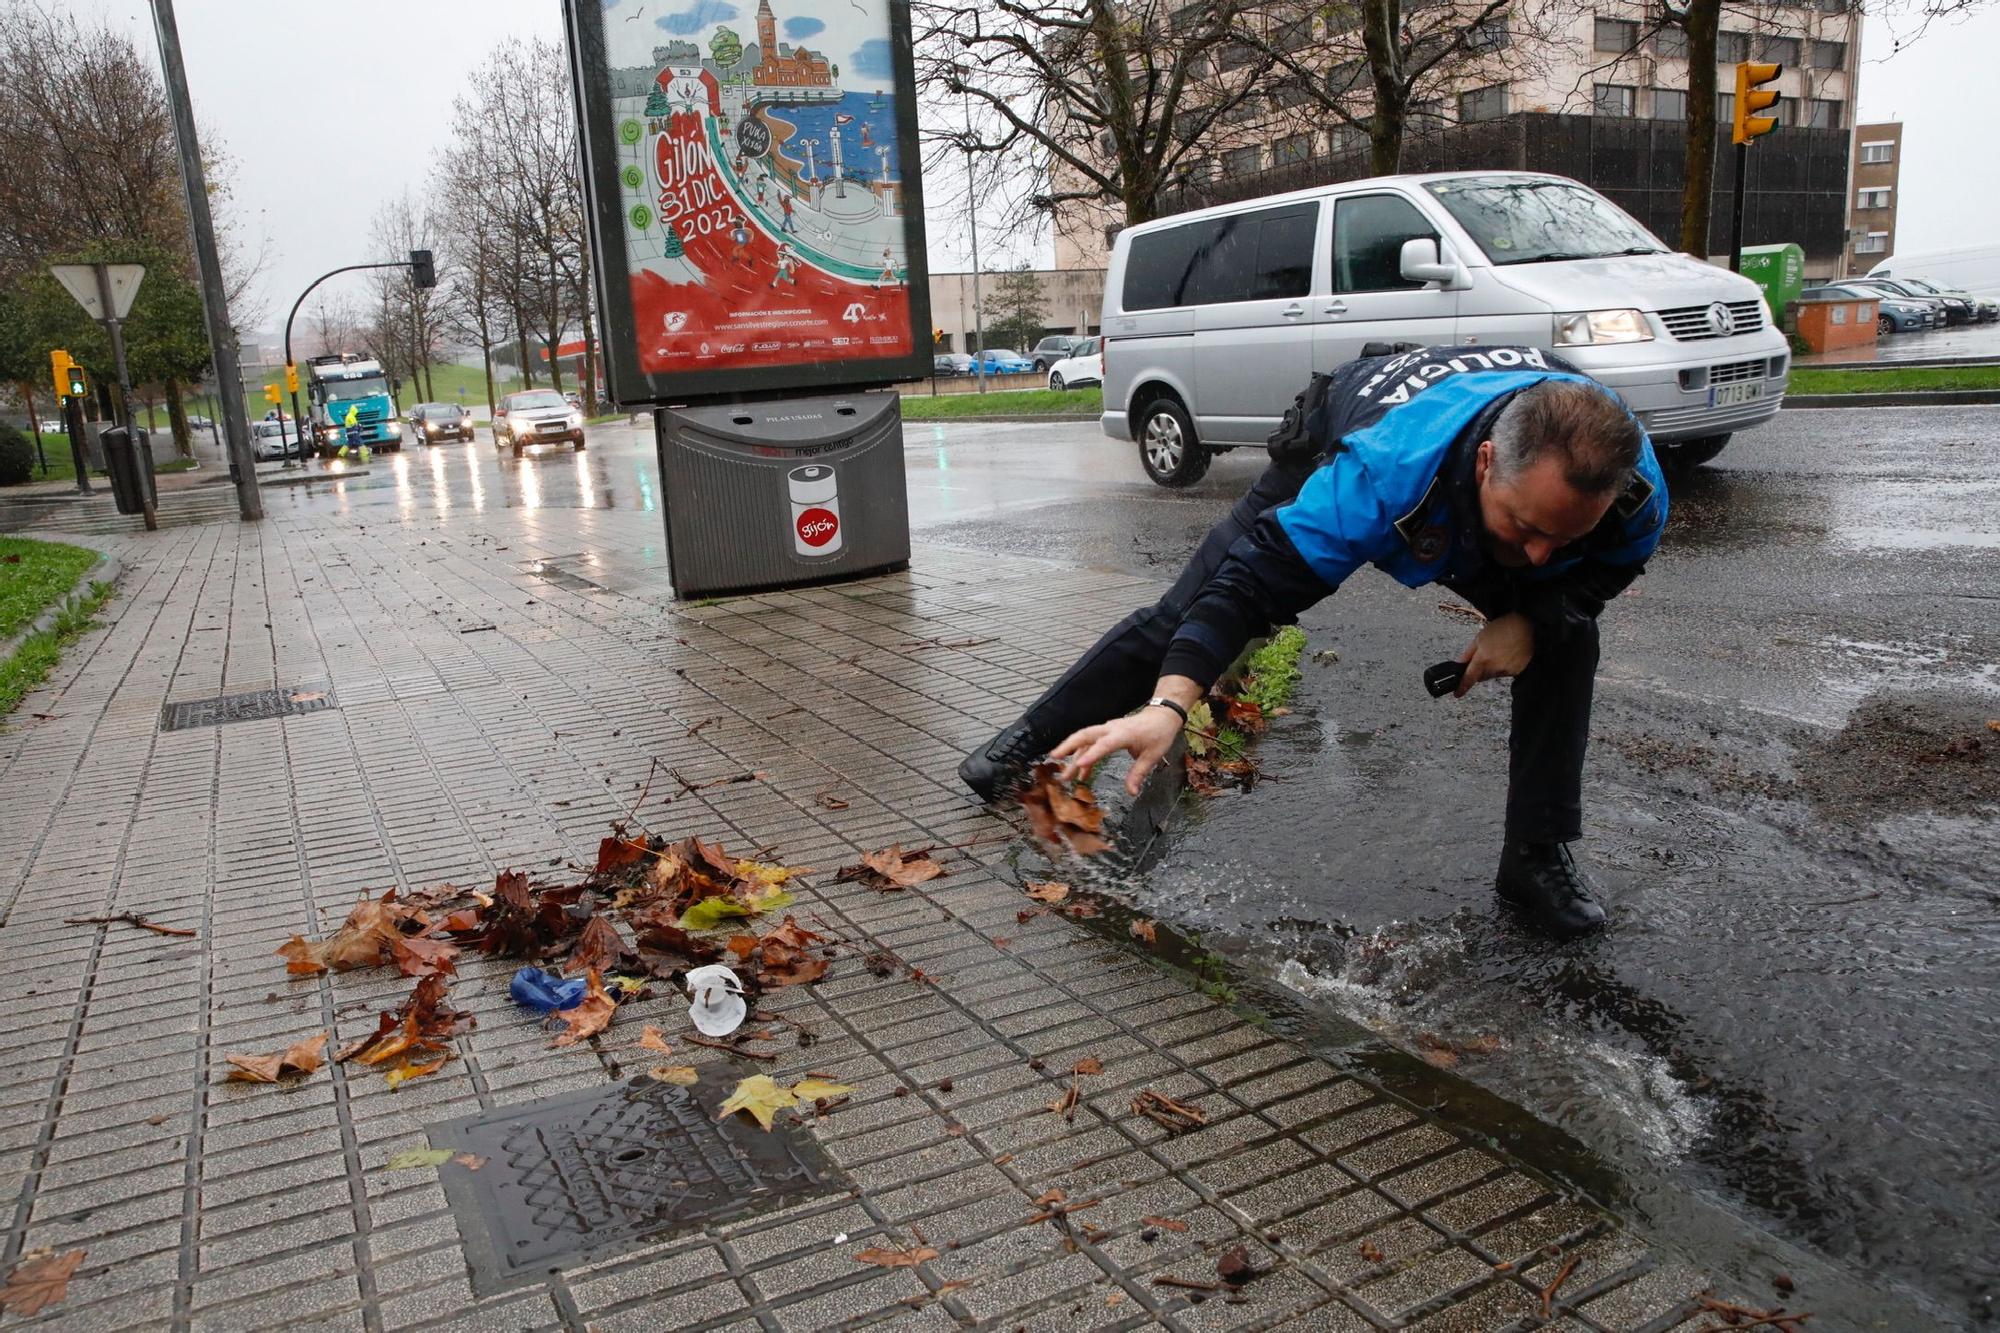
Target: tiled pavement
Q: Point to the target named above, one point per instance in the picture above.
(488, 718)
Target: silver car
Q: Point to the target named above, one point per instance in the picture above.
(1214, 320)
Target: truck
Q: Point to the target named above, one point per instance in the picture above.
(351, 403)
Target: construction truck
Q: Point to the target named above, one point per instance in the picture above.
(352, 405)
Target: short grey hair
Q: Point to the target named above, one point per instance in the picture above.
(1582, 425)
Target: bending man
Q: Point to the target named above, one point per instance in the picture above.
(1502, 474)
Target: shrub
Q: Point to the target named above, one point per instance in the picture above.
(17, 457)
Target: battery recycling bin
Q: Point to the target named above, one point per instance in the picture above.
(785, 492)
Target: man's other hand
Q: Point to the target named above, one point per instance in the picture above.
(1146, 735)
(1503, 648)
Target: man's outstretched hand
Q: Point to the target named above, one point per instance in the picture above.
(1146, 735)
(1504, 647)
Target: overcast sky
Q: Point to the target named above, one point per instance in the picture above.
(328, 109)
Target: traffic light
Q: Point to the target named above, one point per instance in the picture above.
(292, 378)
(79, 383)
(66, 373)
(271, 394)
(1752, 98)
(422, 271)
(937, 336)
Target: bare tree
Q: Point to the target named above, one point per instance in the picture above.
(332, 324)
(402, 225)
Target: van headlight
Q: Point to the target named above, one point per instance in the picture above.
(1588, 328)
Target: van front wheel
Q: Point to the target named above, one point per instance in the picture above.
(1682, 455)
(1168, 447)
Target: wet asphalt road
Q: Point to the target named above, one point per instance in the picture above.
(1791, 804)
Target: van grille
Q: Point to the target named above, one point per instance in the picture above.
(1690, 323)
(1735, 372)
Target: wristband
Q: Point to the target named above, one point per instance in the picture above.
(1164, 702)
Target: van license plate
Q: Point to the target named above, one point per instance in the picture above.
(1728, 395)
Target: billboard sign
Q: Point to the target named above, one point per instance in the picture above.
(753, 183)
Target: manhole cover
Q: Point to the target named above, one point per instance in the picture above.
(288, 701)
(583, 1176)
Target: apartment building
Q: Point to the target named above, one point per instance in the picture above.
(1878, 160)
(1593, 91)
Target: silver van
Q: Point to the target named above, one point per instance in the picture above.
(1214, 320)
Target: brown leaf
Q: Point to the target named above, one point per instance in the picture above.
(1234, 1267)
(1052, 1196)
(367, 938)
(303, 1057)
(1163, 1110)
(471, 1161)
(1164, 1223)
(1063, 817)
(589, 1016)
(600, 948)
(1244, 714)
(652, 1039)
(1081, 910)
(891, 868)
(678, 1075)
(615, 853)
(40, 1280)
(1370, 1252)
(909, 1258)
(1146, 932)
(420, 957)
(1090, 1064)
(1065, 1105)
(659, 935)
(1047, 891)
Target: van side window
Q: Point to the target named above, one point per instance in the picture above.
(1368, 236)
(1158, 266)
(1261, 256)
(1285, 252)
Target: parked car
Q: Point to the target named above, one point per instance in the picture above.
(536, 416)
(1056, 347)
(50, 426)
(1205, 347)
(1000, 361)
(432, 422)
(946, 364)
(1083, 366)
(1949, 295)
(273, 439)
(197, 422)
(1893, 314)
(1957, 310)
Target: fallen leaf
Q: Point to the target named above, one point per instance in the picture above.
(760, 1097)
(307, 696)
(1244, 714)
(1146, 932)
(909, 1258)
(1993, 724)
(1090, 1064)
(419, 957)
(1164, 1223)
(367, 938)
(1082, 910)
(1113, 1299)
(471, 1161)
(600, 948)
(812, 1089)
(1051, 1196)
(1047, 891)
(588, 1016)
(411, 1158)
(652, 1039)
(1164, 1111)
(615, 853)
(891, 868)
(679, 1075)
(40, 1280)
(1061, 816)
(1234, 1267)
(410, 1069)
(1370, 1252)
(771, 876)
(304, 1057)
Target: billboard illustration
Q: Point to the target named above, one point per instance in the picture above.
(755, 208)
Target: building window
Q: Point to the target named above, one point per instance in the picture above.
(1188, 17)
(1779, 50)
(1616, 35)
(1834, 6)
(1348, 139)
(1873, 154)
(1294, 36)
(1614, 99)
(1868, 200)
(1732, 47)
(1233, 55)
(1426, 117)
(1874, 243)
(1492, 35)
(1670, 104)
(1242, 161)
(1290, 149)
(1823, 113)
(1671, 43)
(1346, 77)
(1829, 55)
(1290, 93)
(1725, 109)
(1483, 103)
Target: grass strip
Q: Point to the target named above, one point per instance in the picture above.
(40, 651)
(1911, 379)
(33, 575)
(1003, 403)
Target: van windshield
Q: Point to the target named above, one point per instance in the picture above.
(1526, 221)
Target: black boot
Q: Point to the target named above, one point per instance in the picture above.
(996, 768)
(1542, 880)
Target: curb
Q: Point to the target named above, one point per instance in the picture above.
(1915, 398)
(1005, 417)
(1915, 363)
(304, 480)
(106, 570)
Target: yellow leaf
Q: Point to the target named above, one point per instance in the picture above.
(765, 873)
(679, 1075)
(652, 1039)
(411, 1069)
(812, 1089)
(762, 1098)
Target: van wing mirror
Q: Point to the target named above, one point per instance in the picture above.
(1421, 262)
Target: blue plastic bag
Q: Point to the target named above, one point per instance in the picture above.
(546, 992)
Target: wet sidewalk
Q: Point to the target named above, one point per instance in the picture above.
(494, 696)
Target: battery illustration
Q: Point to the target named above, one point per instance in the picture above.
(815, 494)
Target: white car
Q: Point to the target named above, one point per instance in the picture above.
(1083, 366)
(273, 439)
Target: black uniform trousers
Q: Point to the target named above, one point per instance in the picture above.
(1551, 699)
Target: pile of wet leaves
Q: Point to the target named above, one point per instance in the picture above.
(1906, 752)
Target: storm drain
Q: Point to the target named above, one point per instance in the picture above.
(253, 706)
(583, 1176)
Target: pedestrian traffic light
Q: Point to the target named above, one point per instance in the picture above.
(422, 271)
(292, 378)
(271, 394)
(65, 372)
(1751, 98)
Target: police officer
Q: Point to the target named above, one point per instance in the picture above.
(1501, 473)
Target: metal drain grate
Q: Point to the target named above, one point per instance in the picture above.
(256, 705)
(583, 1176)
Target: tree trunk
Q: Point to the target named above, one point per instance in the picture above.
(178, 419)
(521, 342)
(1380, 20)
(592, 387)
(1704, 17)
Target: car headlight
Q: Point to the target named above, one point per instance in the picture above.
(395, 428)
(525, 427)
(576, 418)
(1588, 328)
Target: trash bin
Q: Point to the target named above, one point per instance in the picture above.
(130, 464)
(781, 493)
